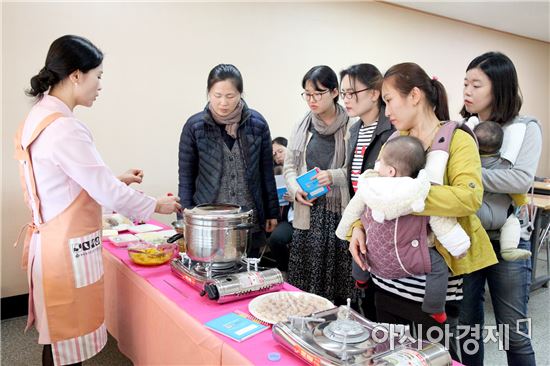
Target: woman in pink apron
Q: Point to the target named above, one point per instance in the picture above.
(65, 183)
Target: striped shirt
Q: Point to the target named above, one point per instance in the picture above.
(414, 288)
(363, 141)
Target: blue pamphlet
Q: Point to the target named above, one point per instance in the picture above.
(281, 190)
(310, 185)
(235, 326)
(280, 193)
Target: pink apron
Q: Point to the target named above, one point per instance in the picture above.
(71, 267)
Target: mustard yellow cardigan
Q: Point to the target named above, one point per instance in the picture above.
(460, 196)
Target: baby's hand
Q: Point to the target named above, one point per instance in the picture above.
(460, 256)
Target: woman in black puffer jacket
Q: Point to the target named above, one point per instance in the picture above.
(225, 155)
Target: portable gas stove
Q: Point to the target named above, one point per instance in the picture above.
(230, 281)
(340, 336)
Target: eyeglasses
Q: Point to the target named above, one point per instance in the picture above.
(316, 96)
(349, 95)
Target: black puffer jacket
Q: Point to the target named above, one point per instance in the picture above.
(201, 161)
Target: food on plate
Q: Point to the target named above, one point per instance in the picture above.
(116, 222)
(277, 307)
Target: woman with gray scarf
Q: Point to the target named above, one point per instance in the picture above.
(225, 155)
(319, 262)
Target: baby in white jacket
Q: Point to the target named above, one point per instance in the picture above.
(397, 187)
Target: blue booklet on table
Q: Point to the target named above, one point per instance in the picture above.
(310, 185)
(235, 326)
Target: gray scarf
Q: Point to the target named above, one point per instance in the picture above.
(338, 129)
(231, 121)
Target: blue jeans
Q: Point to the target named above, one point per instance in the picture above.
(509, 284)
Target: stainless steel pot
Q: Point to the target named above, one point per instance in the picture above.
(216, 232)
(179, 237)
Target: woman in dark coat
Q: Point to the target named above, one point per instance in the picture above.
(225, 155)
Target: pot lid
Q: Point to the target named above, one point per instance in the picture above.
(216, 209)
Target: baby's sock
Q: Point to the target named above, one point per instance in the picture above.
(439, 317)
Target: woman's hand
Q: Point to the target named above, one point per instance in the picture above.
(324, 178)
(357, 247)
(301, 197)
(167, 205)
(131, 176)
(270, 225)
(287, 197)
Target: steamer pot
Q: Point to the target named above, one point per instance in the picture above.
(217, 232)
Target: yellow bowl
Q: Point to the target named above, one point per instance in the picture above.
(147, 254)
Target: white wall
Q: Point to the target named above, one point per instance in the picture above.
(158, 56)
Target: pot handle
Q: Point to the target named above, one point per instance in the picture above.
(244, 226)
(174, 238)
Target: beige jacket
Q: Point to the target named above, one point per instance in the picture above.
(339, 181)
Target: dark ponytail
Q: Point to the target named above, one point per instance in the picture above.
(408, 75)
(41, 83)
(66, 55)
(439, 100)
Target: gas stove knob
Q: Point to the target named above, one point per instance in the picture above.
(212, 291)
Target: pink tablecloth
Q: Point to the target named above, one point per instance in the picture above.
(156, 325)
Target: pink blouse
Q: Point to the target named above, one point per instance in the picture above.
(65, 161)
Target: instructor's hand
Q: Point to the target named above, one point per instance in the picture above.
(357, 247)
(131, 176)
(167, 205)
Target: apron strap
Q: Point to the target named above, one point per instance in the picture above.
(23, 155)
(31, 228)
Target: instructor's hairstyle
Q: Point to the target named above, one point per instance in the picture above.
(67, 54)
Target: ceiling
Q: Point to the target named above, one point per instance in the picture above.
(524, 18)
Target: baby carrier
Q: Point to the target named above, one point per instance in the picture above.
(399, 248)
